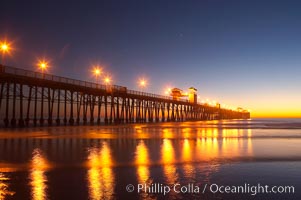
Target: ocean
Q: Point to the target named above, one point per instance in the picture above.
(226, 159)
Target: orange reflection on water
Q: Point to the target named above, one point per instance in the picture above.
(4, 187)
(207, 133)
(230, 146)
(100, 174)
(168, 161)
(140, 133)
(234, 143)
(187, 152)
(206, 144)
(142, 161)
(207, 149)
(167, 133)
(231, 133)
(187, 157)
(187, 133)
(249, 133)
(250, 145)
(38, 179)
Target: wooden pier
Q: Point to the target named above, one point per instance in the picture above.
(29, 98)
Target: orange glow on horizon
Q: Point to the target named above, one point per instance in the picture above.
(280, 103)
(275, 114)
(289, 110)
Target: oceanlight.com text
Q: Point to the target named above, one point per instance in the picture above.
(192, 188)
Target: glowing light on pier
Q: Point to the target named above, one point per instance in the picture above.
(142, 82)
(97, 72)
(43, 65)
(107, 80)
(5, 47)
(168, 91)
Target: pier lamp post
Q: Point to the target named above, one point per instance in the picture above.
(97, 71)
(142, 116)
(5, 48)
(168, 91)
(43, 66)
(107, 80)
(142, 83)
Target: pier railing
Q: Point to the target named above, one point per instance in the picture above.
(30, 97)
(60, 79)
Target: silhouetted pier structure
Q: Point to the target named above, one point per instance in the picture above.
(34, 98)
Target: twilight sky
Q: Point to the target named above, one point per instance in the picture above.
(240, 53)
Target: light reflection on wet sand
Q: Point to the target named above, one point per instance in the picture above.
(142, 162)
(37, 176)
(168, 161)
(100, 175)
(180, 154)
(5, 191)
(187, 158)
